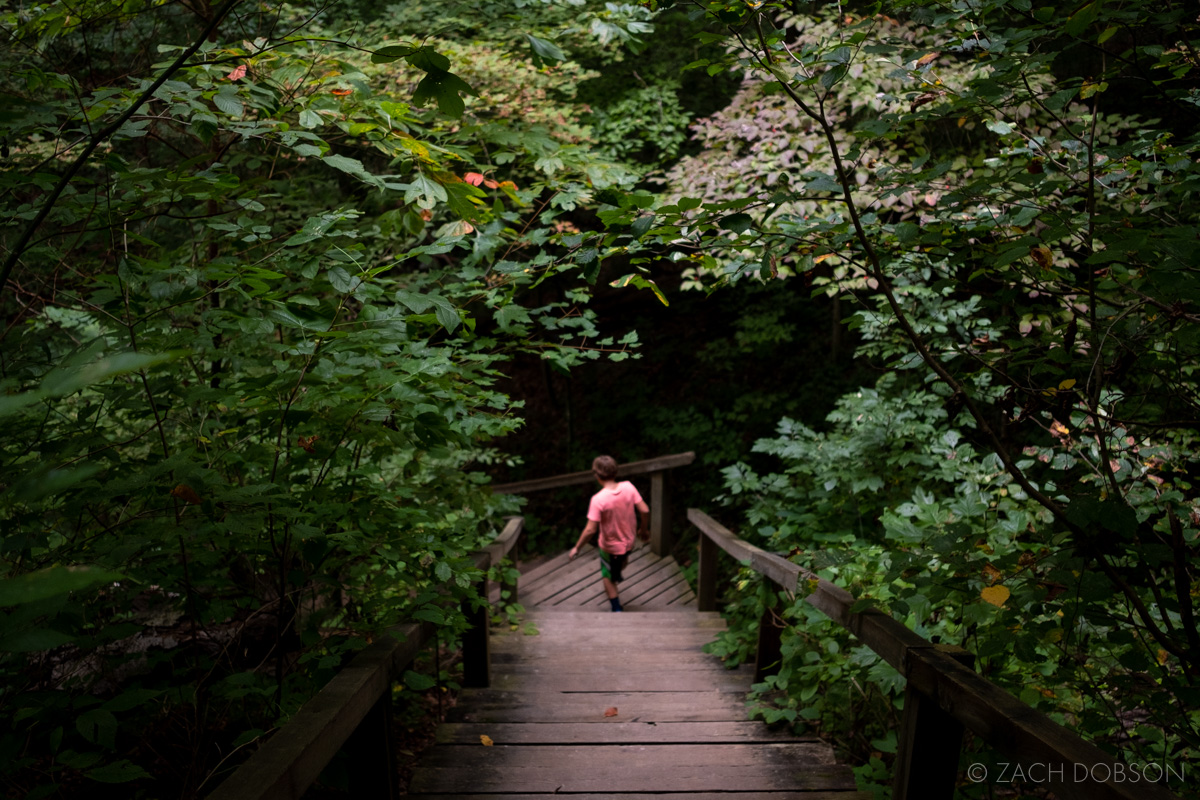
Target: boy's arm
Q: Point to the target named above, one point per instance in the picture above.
(588, 532)
(643, 521)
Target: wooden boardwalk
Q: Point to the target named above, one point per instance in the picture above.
(623, 706)
(651, 582)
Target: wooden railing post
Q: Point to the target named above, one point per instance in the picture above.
(660, 514)
(371, 754)
(930, 742)
(477, 656)
(770, 638)
(706, 577)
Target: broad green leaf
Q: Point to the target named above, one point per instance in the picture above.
(51, 582)
(544, 51)
(122, 771)
(418, 682)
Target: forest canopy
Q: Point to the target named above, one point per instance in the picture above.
(267, 271)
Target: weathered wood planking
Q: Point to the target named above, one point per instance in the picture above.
(651, 581)
(500, 770)
(624, 732)
(676, 724)
(586, 477)
(665, 796)
(589, 707)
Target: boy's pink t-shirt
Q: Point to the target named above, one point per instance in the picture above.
(614, 509)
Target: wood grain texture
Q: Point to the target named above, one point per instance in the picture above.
(619, 705)
(623, 732)
(818, 795)
(580, 478)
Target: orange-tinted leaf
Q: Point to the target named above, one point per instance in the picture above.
(610, 712)
(237, 73)
(928, 58)
(341, 92)
(187, 494)
(508, 185)
(991, 573)
(307, 443)
(1042, 256)
(491, 184)
(473, 178)
(823, 257)
(996, 595)
(486, 740)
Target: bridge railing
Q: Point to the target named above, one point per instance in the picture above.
(943, 694)
(353, 712)
(660, 491)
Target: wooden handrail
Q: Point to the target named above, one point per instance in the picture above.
(658, 464)
(660, 497)
(353, 710)
(940, 688)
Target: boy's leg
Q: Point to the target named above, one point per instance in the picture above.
(610, 573)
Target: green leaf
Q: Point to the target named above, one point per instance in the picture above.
(33, 641)
(228, 101)
(428, 59)
(418, 682)
(345, 164)
(122, 771)
(392, 52)
(51, 582)
(425, 192)
(639, 282)
(544, 51)
(738, 223)
(641, 225)
(444, 87)
(1081, 19)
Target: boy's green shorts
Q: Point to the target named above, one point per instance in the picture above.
(611, 566)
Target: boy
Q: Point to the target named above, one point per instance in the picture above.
(611, 511)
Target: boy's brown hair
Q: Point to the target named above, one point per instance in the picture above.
(604, 468)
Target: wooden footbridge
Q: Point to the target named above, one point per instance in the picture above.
(581, 701)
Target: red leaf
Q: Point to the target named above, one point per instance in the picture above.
(187, 494)
(610, 712)
(473, 178)
(307, 443)
(341, 92)
(238, 72)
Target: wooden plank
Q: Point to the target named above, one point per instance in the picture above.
(706, 577)
(646, 659)
(888, 638)
(677, 589)
(643, 579)
(532, 733)
(585, 477)
(497, 706)
(616, 679)
(930, 743)
(566, 757)
(572, 617)
(660, 514)
(807, 795)
(292, 759)
(780, 570)
(616, 773)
